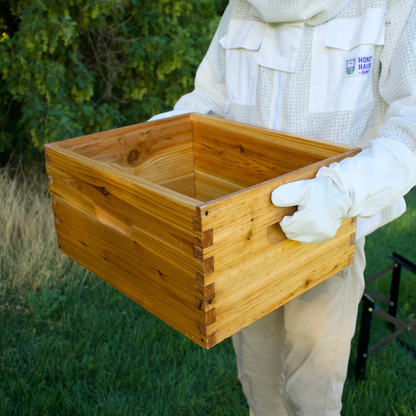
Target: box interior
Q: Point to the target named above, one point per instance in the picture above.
(201, 158)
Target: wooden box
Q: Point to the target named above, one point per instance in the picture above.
(177, 215)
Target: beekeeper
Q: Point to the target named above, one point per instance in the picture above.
(338, 70)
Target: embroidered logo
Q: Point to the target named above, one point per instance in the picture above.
(350, 66)
(358, 66)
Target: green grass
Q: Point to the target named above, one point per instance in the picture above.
(72, 345)
(390, 388)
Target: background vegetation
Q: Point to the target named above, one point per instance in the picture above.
(73, 67)
(71, 344)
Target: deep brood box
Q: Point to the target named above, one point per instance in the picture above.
(177, 215)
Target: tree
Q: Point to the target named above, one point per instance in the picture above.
(72, 67)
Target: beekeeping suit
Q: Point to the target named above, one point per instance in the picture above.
(343, 71)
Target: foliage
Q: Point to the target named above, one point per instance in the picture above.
(73, 67)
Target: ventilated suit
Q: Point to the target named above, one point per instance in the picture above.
(343, 71)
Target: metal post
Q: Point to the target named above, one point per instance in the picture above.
(394, 293)
(368, 308)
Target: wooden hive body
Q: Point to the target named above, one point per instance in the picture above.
(177, 215)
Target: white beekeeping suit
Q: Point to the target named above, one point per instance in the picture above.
(343, 71)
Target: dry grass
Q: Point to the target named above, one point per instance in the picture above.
(28, 248)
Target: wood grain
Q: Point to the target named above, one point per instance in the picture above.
(252, 207)
(177, 215)
(321, 148)
(130, 267)
(244, 161)
(276, 284)
(164, 203)
(159, 152)
(174, 243)
(209, 187)
(185, 185)
(242, 250)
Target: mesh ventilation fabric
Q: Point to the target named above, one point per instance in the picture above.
(357, 8)
(292, 11)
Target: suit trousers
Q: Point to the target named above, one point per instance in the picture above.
(293, 361)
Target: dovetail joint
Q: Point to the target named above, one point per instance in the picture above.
(202, 329)
(209, 292)
(207, 238)
(199, 278)
(200, 304)
(210, 316)
(197, 224)
(198, 252)
(208, 265)
(211, 340)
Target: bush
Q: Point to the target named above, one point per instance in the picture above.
(73, 67)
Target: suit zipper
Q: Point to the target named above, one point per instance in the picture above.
(278, 101)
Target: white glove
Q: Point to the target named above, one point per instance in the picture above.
(361, 186)
(176, 112)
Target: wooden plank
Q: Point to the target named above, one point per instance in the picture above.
(161, 163)
(161, 153)
(246, 155)
(185, 185)
(180, 124)
(291, 268)
(92, 235)
(139, 273)
(230, 271)
(162, 202)
(270, 287)
(174, 243)
(238, 213)
(209, 187)
(154, 158)
(245, 161)
(322, 148)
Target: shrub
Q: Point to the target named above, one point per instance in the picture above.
(73, 67)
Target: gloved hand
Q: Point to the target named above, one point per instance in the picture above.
(182, 109)
(359, 186)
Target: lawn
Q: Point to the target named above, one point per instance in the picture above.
(71, 344)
